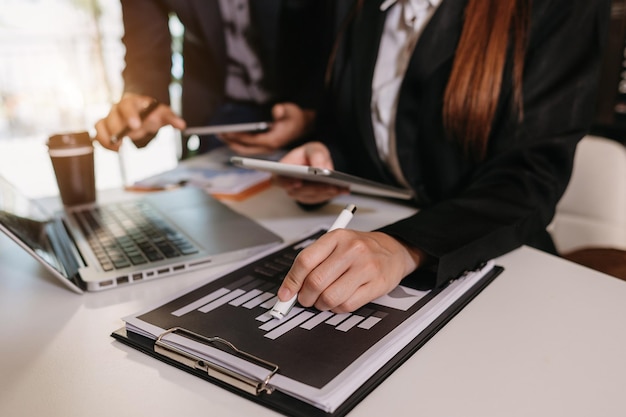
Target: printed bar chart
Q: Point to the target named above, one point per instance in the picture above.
(250, 292)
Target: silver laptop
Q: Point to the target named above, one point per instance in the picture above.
(101, 246)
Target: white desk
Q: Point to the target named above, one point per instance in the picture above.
(546, 338)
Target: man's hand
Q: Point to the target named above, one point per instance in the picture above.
(126, 115)
(290, 122)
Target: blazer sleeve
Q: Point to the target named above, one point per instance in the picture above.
(512, 195)
(304, 42)
(148, 48)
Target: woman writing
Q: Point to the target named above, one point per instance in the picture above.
(475, 105)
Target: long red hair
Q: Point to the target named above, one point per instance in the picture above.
(491, 28)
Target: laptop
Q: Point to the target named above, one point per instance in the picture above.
(105, 245)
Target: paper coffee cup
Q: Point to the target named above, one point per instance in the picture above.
(73, 162)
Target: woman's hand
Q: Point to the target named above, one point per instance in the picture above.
(307, 192)
(126, 114)
(345, 269)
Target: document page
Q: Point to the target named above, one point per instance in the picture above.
(212, 172)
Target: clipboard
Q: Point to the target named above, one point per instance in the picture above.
(260, 390)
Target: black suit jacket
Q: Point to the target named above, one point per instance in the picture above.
(293, 39)
(473, 211)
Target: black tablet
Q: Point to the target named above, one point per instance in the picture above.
(253, 127)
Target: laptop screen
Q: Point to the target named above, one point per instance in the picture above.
(26, 222)
(13, 201)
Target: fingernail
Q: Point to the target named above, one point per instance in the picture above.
(284, 294)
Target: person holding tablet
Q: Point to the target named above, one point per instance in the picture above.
(244, 61)
(477, 106)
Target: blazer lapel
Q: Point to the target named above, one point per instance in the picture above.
(264, 17)
(438, 41)
(368, 26)
(436, 46)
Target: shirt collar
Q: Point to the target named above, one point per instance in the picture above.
(415, 3)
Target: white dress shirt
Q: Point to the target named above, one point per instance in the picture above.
(404, 24)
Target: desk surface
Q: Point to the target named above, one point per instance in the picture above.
(546, 338)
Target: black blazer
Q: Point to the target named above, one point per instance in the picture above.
(292, 35)
(472, 212)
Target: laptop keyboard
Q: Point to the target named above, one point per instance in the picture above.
(130, 233)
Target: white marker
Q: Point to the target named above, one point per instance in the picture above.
(282, 308)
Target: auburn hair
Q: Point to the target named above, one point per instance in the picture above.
(492, 31)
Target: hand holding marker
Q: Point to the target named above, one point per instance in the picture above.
(282, 308)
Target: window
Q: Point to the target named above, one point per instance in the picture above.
(61, 64)
(60, 70)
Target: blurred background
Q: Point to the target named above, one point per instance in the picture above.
(60, 71)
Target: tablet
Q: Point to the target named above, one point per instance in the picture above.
(328, 176)
(254, 127)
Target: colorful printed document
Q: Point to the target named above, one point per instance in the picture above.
(213, 172)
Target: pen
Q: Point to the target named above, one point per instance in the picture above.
(282, 308)
(142, 115)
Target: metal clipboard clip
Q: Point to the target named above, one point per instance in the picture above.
(243, 382)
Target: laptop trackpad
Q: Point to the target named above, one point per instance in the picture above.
(213, 225)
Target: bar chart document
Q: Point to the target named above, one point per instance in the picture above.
(316, 357)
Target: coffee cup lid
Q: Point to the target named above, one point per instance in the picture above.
(69, 140)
